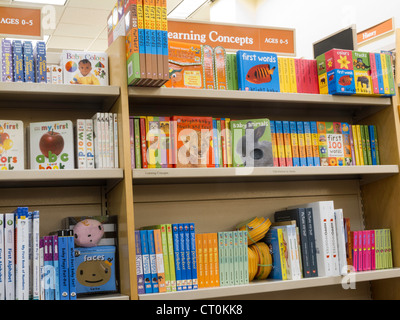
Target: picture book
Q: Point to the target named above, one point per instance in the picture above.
(252, 143)
(52, 145)
(192, 140)
(274, 240)
(258, 71)
(12, 145)
(81, 67)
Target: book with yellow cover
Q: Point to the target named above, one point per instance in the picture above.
(200, 260)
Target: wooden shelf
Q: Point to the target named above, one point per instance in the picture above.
(241, 101)
(272, 285)
(366, 174)
(44, 178)
(106, 297)
(51, 95)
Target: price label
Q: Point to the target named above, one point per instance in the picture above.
(20, 22)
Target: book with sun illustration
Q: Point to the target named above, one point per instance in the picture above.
(81, 67)
(52, 145)
(12, 150)
(192, 142)
(258, 71)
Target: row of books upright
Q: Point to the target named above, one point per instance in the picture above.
(97, 141)
(173, 257)
(34, 267)
(173, 142)
(316, 143)
(333, 253)
(146, 35)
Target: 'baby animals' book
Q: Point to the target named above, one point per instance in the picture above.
(52, 145)
(12, 151)
(81, 67)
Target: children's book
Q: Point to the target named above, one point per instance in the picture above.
(85, 68)
(274, 239)
(252, 143)
(52, 145)
(12, 145)
(192, 140)
(2, 274)
(258, 71)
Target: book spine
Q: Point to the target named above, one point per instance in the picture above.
(274, 144)
(90, 161)
(159, 261)
(282, 255)
(298, 70)
(295, 144)
(341, 241)
(164, 243)
(139, 264)
(360, 146)
(310, 242)
(364, 145)
(56, 264)
(216, 259)
(228, 136)
(367, 144)
(385, 74)
(215, 143)
(280, 143)
(146, 261)
(9, 253)
(72, 266)
(221, 257)
(159, 37)
(352, 147)
(315, 143)
(356, 147)
(153, 261)
(293, 80)
(2, 261)
(236, 257)
(220, 152)
(188, 256)
(374, 74)
(223, 144)
(373, 147)
(111, 139)
(137, 146)
(281, 72)
(231, 258)
(81, 143)
(193, 255)
(97, 141)
(182, 254)
(373, 250)
(143, 138)
(200, 262)
(22, 259)
(132, 142)
(177, 257)
(206, 261)
(302, 144)
(287, 143)
(210, 260)
(171, 257)
(104, 139)
(63, 258)
(308, 144)
(390, 74)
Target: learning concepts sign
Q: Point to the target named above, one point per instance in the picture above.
(235, 37)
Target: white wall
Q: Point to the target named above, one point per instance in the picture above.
(312, 19)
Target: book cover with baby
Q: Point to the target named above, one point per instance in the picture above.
(88, 68)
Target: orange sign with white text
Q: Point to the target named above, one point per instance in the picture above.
(375, 31)
(235, 37)
(20, 22)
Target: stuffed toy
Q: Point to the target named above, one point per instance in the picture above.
(88, 233)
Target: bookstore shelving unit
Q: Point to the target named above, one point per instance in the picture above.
(57, 194)
(219, 199)
(214, 199)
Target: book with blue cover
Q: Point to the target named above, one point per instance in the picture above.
(258, 71)
(177, 255)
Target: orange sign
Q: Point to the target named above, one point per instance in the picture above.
(235, 37)
(375, 31)
(20, 22)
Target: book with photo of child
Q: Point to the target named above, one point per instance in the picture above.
(81, 67)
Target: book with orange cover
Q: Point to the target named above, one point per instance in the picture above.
(211, 267)
(192, 146)
(216, 259)
(205, 262)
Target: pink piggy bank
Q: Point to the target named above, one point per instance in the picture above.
(88, 233)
